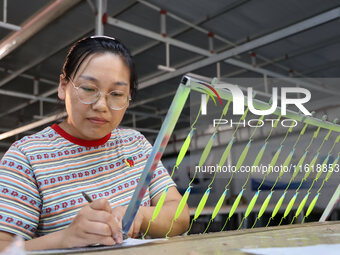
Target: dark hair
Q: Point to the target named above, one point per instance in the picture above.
(98, 44)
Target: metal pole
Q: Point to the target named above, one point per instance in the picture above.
(211, 42)
(163, 23)
(265, 78)
(156, 154)
(32, 125)
(9, 26)
(167, 54)
(269, 38)
(35, 87)
(20, 106)
(281, 77)
(191, 25)
(27, 96)
(222, 39)
(34, 25)
(4, 16)
(41, 108)
(39, 60)
(296, 28)
(218, 70)
(99, 18)
(331, 205)
(4, 23)
(134, 120)
(185, 46)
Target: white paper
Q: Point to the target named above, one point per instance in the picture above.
(130, 242)
(329, 249)
(17, 247)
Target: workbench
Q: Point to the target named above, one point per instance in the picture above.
(230, 242)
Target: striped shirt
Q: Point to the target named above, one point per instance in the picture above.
(42, 177)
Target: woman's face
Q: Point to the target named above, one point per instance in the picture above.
(94, 121)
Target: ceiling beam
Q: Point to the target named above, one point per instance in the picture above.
(20, 72)
(261, 41)
(9, 26)
(32, 125)
(212, 58)
(291, 55)
(196, 26)
(264, 40)
(39, 60)
(229, 7)
(160, 38)
(27, 96)
(300, 81)
(30, 77)
(153, 35)
(32, 101)
(34, 24)
(190, 25)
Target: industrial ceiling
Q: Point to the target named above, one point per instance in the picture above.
(232, 38)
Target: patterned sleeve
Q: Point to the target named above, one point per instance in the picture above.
(160, 178)
(20, 202)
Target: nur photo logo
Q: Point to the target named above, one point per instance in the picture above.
(238, 99)
(302, 96)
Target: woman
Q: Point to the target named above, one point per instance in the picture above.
(42, 176)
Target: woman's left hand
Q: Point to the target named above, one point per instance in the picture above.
(118, 214)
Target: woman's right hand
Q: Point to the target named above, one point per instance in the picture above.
(93, 224)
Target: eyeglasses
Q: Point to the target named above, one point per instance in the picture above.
(89, 94)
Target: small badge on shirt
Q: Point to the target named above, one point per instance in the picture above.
(129, 162)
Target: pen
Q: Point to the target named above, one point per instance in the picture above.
(89, 199)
